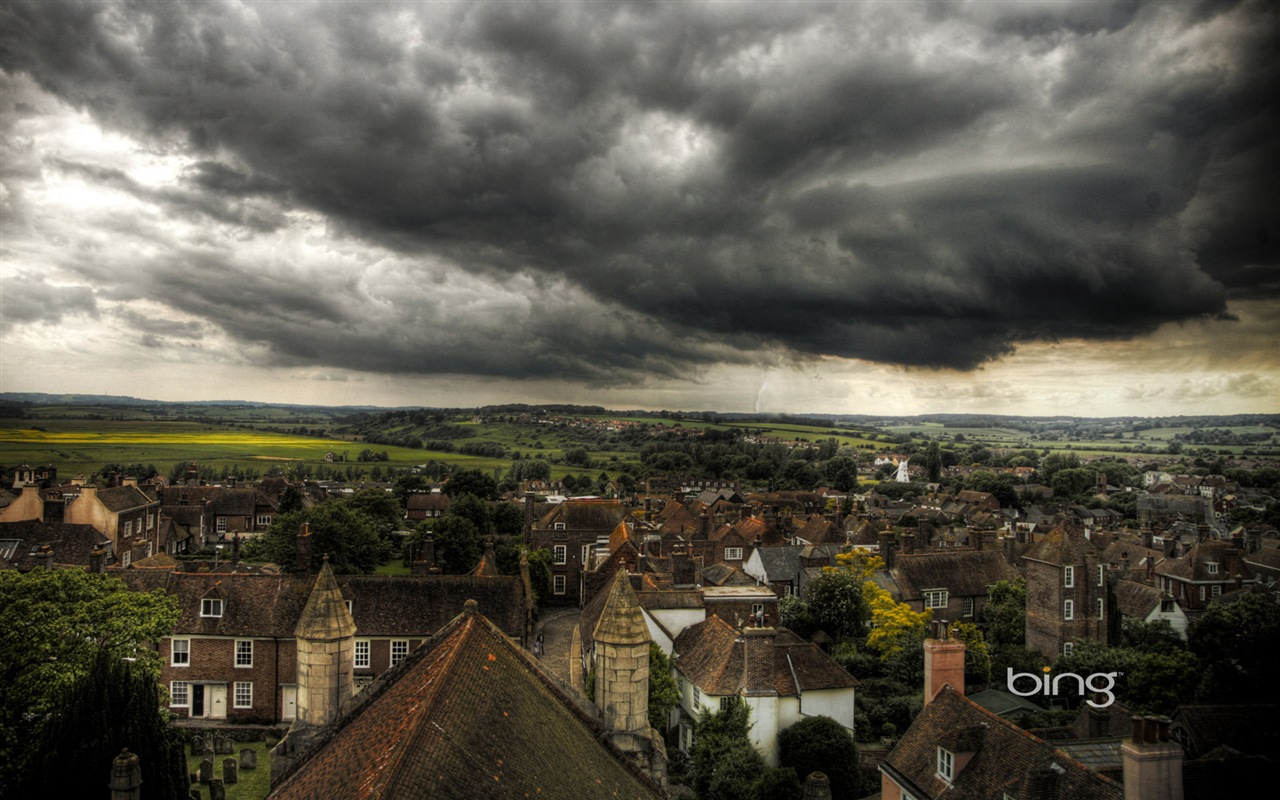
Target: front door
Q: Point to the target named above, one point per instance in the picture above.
(197, 700)
(217, 701)
(290, 709)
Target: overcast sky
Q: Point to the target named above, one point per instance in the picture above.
(846, 207)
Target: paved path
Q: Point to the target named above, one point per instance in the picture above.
(560, 645)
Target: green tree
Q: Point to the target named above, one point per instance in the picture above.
(841, 473)
(379, 506)
(507, 519)
(472, 508)
(472, 481)
(406, 485)
(1069, 483)
(663, 692)
(55, 623)
(723, 764)
(1005, 613)
(835, 602)
(933, 462)
(458, 543)
(977, 661)
(115, 705)
(820, 744)
(1237, 643)
(349, 537)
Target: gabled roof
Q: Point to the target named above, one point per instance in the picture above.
(967, 572)
(1061, 547)
(820, 530)
(469, 714)
(713, 655)
(726, 575)
(122, 498)
(1194, 565)
(1136, 599)
(1005, 758)
(601, 515)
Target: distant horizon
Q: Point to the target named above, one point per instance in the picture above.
(8, 395)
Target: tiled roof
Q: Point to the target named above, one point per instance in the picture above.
(1061, 546)
(585, 515)
(726, 575)
(820, 530)
(714, 656)
(1136, 599)
(469, 714)
(428, 502)
(1004, 758)
(967, 573)
(122, 498)
(1193, 566)
(71, 544)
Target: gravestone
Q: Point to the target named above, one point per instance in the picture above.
(248, 758)
(197, 745)
(230, 771)
(206, 770)
(225, 745)
(216, 790)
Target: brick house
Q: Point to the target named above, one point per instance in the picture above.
(1067, 593)
(1208, 570)
(953, 584)
(234, 655)
(571, 531)
(124, 514)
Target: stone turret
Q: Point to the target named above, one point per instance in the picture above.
(622, 677)
(326, 661)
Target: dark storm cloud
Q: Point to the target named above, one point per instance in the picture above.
(712, 181)
(31, 299)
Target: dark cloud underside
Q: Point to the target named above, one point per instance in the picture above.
(920, 184)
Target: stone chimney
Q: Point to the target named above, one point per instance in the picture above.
(44, 557)
(126, 777)
(888, 549)
(97, 560)
(943, 664)
(1152, 763)
(305, 544)
(908, 541)
(704, 525)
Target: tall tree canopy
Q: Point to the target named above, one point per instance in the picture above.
(348, 536)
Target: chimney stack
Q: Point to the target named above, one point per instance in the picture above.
(1152, 763)
(943, 664)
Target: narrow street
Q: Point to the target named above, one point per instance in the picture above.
(560, 647)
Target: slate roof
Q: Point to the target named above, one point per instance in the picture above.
(1005, 758)
(726, 575)
(71, 544)
(967, 573)
(469, 714)
(1192, 566)
(780, 563)
(1136, 599)
(260, 604)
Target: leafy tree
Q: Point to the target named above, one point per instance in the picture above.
(578, 457)
(1157, 636)
(347, 536)
(933, 462)
(507, 519)
(1052, 463)
(820, 744)
(406, 485)
(290, 499)
(1237, 643)
(55, 624)
(1148, 682)
(1005, 613)
(115, 705)
(894, 624)
(379, 506)
(1068, 483)
(663, 692)
(472, 481)
(777, 784)
(841, 473)
(1000, 485)
(459, 545)
(835, 603)
(723, 764)
(977, 661)
(473, 509)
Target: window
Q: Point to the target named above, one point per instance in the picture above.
(211, 607)
(128, 528)
(125, 557)
(1069, 577)
(362, 653)
(586, 554)
(264, 519)
(559, 526)
(151, 521)
(244, 652)
(725, 702)
(1102, 575)
(967, 606)
(1215, 591)
(1102, 608)
(180, 652)
(1212, 567)
(1067, 647)
(179, 693)
(697, 697)
(1201, 592)
(558, 584)
(244, 694)
(1068, 609)
(733, 554)
(946, 764)
(561, 554)
(349, 606)
(222, 525)
(935, 598)
(399, 649)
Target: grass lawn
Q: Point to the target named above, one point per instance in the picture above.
(254, 784)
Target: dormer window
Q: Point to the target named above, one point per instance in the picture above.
(946, 764)
(559, 526)
(1212, 567)
(211, 607)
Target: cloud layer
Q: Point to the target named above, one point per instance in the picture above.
(602, 191)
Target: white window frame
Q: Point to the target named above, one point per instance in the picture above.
(966, 607)
(1215, 591)
(559, 526)
(946, 764)
(560, 554)
(1102, 608)
(1201, 592)
(697, 697)
(586, 554)
(936, 598)
(211, 607)
(558, 584)
(399, 650)
(243, 647)
(1068, 610)
(151, 521)
(1067, 647)
(1211, 567)
(174, 651)
(362, 653)
(179, 694)
(128, 528)
(221, 525)
(733, 554)
(1102, 572)
(242, 689)
(264, 519)
(1069, 577)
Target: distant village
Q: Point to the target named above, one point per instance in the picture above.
(518, 652)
